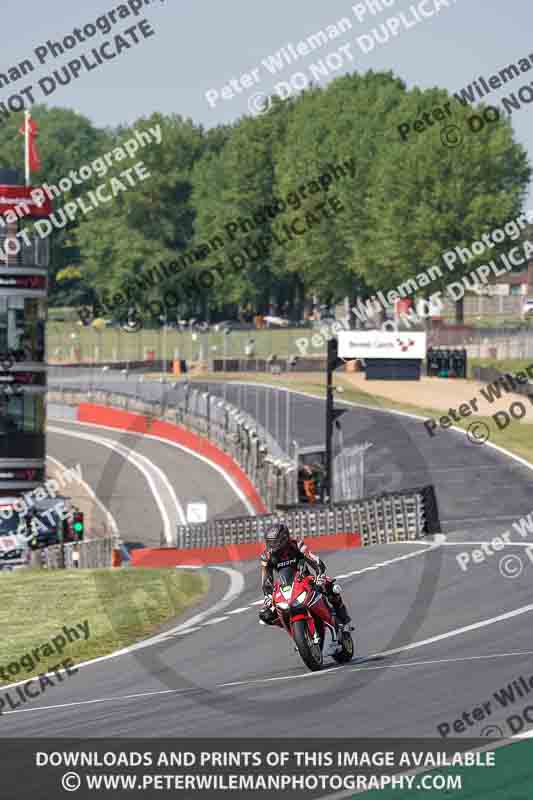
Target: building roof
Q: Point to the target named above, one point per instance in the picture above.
(511, 278)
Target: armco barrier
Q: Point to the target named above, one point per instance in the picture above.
(396, 517)
(171, 557)
(234, 446)
(89, 554)
(233, 427)
(125, 420)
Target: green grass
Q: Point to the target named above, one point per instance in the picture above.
(122, 606)
(67, 340)
(118, 345)
(512, 365)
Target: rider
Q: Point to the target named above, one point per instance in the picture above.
(282, 547)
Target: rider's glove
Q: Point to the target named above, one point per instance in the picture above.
(321, 580)
(268, 601)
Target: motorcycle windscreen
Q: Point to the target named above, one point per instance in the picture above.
(286, 576)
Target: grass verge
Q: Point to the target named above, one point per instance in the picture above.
(511, 365)
(121, 607)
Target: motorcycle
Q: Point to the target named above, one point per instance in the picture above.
(309, 619)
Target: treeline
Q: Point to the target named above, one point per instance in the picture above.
(406, 203)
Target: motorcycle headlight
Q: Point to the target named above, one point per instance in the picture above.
(301, 597)
(282, 605)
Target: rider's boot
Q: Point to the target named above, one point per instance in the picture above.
(342, 614)
(343, 618)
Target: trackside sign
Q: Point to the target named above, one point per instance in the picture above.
(381, 344)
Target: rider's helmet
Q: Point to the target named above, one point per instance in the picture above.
(276, 536)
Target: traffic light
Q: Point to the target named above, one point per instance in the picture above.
(78, 525)
(333, 360)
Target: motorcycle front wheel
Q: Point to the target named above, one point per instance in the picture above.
(310, 652)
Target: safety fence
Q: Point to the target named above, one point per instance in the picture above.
(497, 343)
(396, 517)
(269, 411)
(274, 476)
(263, 449)
(274, 365)
(90, 554)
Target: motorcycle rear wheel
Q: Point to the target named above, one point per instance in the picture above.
(310, 652)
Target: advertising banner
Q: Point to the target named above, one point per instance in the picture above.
(382, 344)
(13, 197)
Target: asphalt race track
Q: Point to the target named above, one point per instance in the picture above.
(433, 641)
(124, 489)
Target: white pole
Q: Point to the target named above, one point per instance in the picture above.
(276, 408)
(27, 146)
(287, 421)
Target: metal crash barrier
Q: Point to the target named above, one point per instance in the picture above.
(396, 517)
(90, 554)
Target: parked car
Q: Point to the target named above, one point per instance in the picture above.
(278, 322)
(527, 310)
(14, 548)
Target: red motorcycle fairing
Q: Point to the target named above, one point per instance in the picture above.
(309, 619)
(296, 598)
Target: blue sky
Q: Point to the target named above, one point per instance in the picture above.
(200, 45)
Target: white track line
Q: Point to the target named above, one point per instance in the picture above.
(236, 588)
(229, 480)
(404, 648)
(99, 700)
(145, 460)
(405, 664)
(407, 414)
(428, 549)
(107, 514)
(187, 630)
(481, 519)
(139, 461)
(476, 544)
(458, 631)
(119, 698)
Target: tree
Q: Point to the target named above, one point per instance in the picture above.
(67, 141)
(429, 198)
